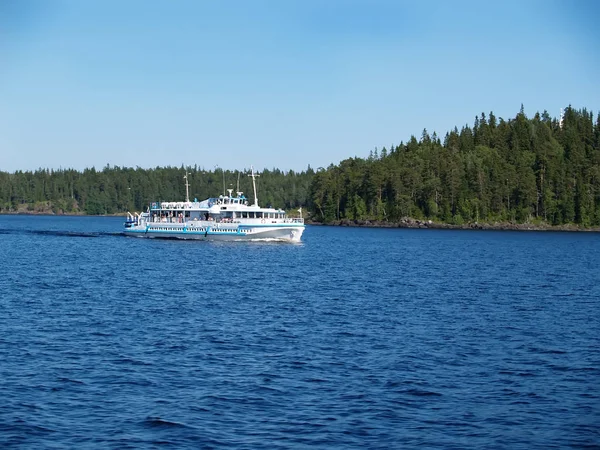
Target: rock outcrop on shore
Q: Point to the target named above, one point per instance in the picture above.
(428, 224)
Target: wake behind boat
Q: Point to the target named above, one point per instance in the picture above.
(224, 218)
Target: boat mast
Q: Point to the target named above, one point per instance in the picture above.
(187, 187)
(253, 175)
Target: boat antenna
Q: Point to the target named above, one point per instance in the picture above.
(253, 175)
(223, 172)
(562, 117)
(187, 187)
(238, 185)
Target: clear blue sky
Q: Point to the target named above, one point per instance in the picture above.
(275, 83)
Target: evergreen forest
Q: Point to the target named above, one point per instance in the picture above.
(521, 170)
(538, 170)
(115, 189)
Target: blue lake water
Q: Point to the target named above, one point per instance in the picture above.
(355, 338)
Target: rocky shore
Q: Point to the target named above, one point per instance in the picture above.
(428, 224)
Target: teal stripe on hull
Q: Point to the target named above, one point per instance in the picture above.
(284, 231)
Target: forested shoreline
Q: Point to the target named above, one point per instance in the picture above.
(114, 190)
(542, 171)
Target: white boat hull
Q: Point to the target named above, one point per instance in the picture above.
(221, 232)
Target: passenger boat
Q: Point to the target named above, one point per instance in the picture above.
(223, 218)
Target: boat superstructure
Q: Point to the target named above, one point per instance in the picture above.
(226, 217)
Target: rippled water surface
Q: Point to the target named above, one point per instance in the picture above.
(356, 338)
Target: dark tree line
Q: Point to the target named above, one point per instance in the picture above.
(519, 170)
(116, 189)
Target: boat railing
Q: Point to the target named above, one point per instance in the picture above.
(158, 219)
(157, 206)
